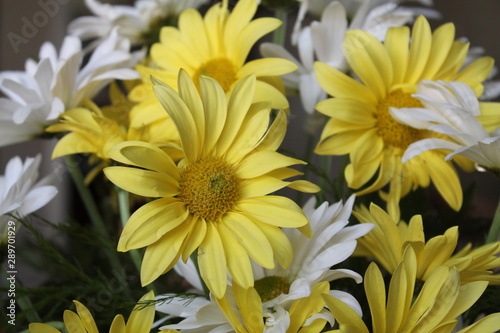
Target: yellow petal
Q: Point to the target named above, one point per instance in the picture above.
(163, 254)
(238, 262)
(195, 237)
(282, 248)
(142, 317)
(345, 315)
(212, 261)
(348, 110)
(251, 132)
(73, 143)
(142, 182)
(338, 84)
(73, 323)
(189, 94)
(184, 122)
(214, 101)
(369, 60)
(237, 108)
(247, 234)
(150, 222)
(275, 134)
(396, 42)
(267, 67)
(442, 41)
(262, 162)
(488, 324)
(86, 317)
(118, 325)
(375, 293)
(269, 209)
(250, 305)
(265, 92)
(420, 48)
(144, 155)
(445, 178)
(42, 328)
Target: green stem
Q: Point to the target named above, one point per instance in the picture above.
(94, 215)
(324, 183)
(494, 232)
(123, 204)
(280, 33)
(85, 195)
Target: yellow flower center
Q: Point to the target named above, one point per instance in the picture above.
(220, 69)
(209, 188)
(393, 133)
(271, 287)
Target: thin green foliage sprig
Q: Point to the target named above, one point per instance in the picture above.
(79, 272)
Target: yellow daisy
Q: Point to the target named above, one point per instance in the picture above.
(216, 45)
(94, 131)
(215, 199)
(90, 132)
(361, 124)
(440, 301)
(386, 244)
(140, 320)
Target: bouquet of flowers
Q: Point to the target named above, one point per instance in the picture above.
(192, 216)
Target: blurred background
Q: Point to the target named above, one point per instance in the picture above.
(476, 20)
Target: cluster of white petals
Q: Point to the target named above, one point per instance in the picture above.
(451, 108)
(56, 82)
(131, 22)
(21, 193)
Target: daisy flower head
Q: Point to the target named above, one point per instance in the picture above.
(387, 242)
(435, 308)
(135, 22)
(140, 320)
(322, 41)
(215, 200)
(38, 95)
(216, 45)
(333, 241)
(93, 130)
(452, 109)
(21, 193)
(361, 124)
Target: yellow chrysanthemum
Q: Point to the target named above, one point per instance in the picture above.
(140, 320)
(248, 317)
(94, 131)
(361, 124)
(386, 244)
(215, 199)
(440, 301)
(216, 45)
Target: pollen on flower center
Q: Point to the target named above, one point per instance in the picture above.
(220, 69)
(394, 133)
(209, 188)
(271, 287)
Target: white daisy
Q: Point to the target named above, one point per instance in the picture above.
(20, 193)
(322, 41)
(132, 22)
(451, 108)
(38, 95)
